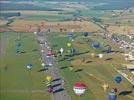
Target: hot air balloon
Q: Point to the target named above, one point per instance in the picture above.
(69, 44)
(100, 55)
(49, 78)
(29, 66)
(85, 34)
(93, 55)
(114, 37)
(96, 45)
(79, 89)
(35, 33)
(70, 36)
(50, 53)
(108, 48)
(114, 90)
(43, 64)
(105, 87)
(112, 96)
(118, 79)
(18, 47)
(50, 89)
(61, 50)
(73, 51)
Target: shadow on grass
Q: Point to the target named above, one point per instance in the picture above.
(57, 79)
(58, 90)
(108, 59)
(44, 69)
(78, 70)
(63, 67)
(124, 93)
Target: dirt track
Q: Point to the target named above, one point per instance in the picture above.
(68, 26)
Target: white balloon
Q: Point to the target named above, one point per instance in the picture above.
(100, 55)
(35, 32)
(61, 50)
(43, 64)
(42, 51)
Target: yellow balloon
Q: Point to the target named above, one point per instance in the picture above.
(49, 78)
(69, 44)
(92, 55)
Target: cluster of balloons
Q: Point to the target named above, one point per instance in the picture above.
(49, 80)
(113, 93)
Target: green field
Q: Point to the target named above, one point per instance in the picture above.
(16, 81)
(102, 73)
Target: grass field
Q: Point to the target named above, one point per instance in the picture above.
(17, 82)
(94, 74)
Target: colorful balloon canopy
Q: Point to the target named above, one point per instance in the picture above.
(70, 36)
(109, 48)
(118, 79)
(112, 96)
(114, 90)
(49, 78)
(114, 37)
(50, 89)
(79, 88)
(29, 66)
(69, 44)
(85, 34)
(96, 44)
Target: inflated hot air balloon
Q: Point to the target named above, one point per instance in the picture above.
(79, 89)
(118, 79)
(112, 96)
(43, 64)
(109, 48)
(85, 34)
(61, 50)
(49, 78)
(18, 47)
(29, 66)
(93, 55)
(96, 45)
(73, 51)
(70, 36)
(50, 89)
(114, 90)
(69, 44)
(100, 55)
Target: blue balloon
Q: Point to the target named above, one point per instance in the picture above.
(118, 79)
(29, 66)
(112, 96)
(73, 51)
(18, 47)
(70, 36)
(18, 44)
(96, 45)
(114, 37)
(85, 34)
